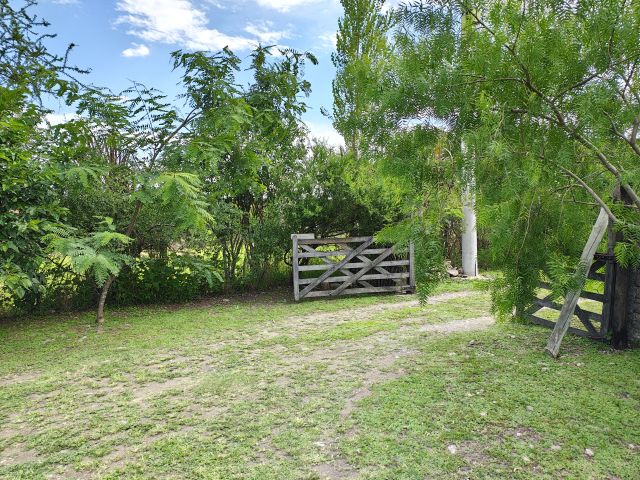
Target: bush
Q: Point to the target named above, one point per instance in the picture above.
(171, 279)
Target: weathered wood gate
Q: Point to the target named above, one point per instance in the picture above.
(349, 266)
(597, 325)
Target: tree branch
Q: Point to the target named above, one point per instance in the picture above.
(591, 192)
(560, 119)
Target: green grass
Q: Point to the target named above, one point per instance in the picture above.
(263, 388)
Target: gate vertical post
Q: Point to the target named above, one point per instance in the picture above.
(412, 267)
(609, 283)
(296, 272)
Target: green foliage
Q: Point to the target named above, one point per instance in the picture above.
(538, 100)
(30, 209)
(360, 57)
(98, 254)
(173, 279)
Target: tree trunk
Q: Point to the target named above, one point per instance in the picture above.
(469, 233)
(103, 298)
(107, 285)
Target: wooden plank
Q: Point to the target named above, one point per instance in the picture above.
(596, 276)
(333, 253)
(357, 291)
(412, 266)
(540, 303)
(585, 321)
(369, 276)
(336, 267)
(548, 323)
(534, 308)
(609, 284)
(592, 315)
(363, 271)
(329, 241)
(378, 268)
(545, 302)
(390, 263)
(296, 271)
(329, 262)
(571, 300)
(340, 253)
(598, 297)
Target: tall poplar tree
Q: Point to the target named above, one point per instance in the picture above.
(361, 50)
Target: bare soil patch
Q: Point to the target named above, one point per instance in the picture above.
(153, 389)
(460, 325)
(18, 378)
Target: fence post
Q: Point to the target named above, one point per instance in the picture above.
(296, 273)
(609, 282)
(412, 267)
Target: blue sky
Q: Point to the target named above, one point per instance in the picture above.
(124, 40)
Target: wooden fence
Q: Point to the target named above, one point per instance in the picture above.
(349, 266)
(596, 324)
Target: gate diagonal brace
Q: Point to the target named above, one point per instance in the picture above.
(362, 271)
(337, 266)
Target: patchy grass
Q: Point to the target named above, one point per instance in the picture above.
(375, 387)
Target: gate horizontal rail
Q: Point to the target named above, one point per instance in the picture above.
(347, 266)
(596, 324)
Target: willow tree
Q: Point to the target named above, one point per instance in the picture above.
(555, 96)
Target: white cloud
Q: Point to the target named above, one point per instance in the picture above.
(285, 5)
(138, 50)
(391, 4)
(57, 118)
(325, 131)
(329, 40)
(176, 22)
(263, 32)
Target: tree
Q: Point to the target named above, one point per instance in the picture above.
(361, 51)
(554, 88)
(30, 209)
(245, 148)
(122, 141)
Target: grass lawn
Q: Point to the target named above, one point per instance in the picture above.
(261, 388)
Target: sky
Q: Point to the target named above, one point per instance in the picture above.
(125, 40)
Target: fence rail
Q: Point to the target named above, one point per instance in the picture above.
(349, 266)
(596, 324)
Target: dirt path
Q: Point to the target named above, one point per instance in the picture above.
(319, 367)
(383, 370)
(299, 325)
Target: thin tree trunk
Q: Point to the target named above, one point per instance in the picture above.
(103, 299)
(469, 241)
(107, 285)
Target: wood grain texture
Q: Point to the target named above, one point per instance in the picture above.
(349, 265)
(571, 299)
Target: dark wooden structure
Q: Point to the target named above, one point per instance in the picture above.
(348, 266)
(597, 324)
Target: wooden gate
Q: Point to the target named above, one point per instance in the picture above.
(348, 266)
(597, 324)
